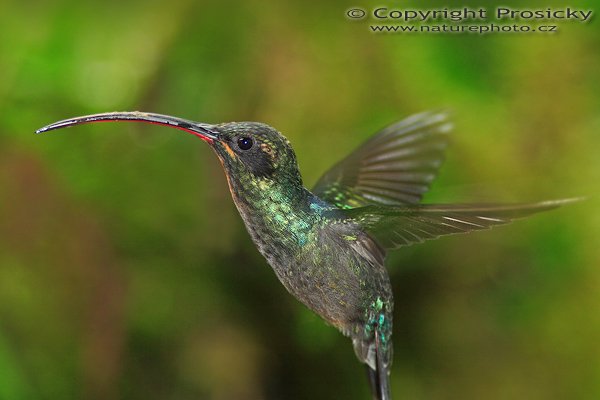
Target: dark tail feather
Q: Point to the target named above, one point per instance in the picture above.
(373, 382)
(379, 378)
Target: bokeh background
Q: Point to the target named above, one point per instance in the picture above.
(126, 272)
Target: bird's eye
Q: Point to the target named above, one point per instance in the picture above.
(245, 143)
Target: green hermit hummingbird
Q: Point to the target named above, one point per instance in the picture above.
(328, 245)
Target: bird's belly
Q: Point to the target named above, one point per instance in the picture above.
(321, 269)
(334, 282)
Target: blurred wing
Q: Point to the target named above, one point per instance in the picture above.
(394, 227)
(394, 167)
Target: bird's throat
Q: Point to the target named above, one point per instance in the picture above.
(278, 217)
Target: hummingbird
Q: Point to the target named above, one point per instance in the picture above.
(328, 245)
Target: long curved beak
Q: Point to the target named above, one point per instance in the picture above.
(206, 132)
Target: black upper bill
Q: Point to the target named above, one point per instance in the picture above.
(204, 131)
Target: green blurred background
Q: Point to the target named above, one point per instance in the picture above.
(126, 272)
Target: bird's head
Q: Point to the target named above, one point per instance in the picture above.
(250, 152)
(256, 151)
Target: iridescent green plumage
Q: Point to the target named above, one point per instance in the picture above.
(328, 246)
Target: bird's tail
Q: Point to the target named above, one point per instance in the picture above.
(379, 377)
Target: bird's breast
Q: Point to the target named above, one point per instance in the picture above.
(324, 264)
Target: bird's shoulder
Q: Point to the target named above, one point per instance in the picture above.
(347, 235)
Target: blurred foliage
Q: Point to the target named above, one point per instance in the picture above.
(125, 271)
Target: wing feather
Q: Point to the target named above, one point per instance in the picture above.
(394, 227)
(394, 167)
